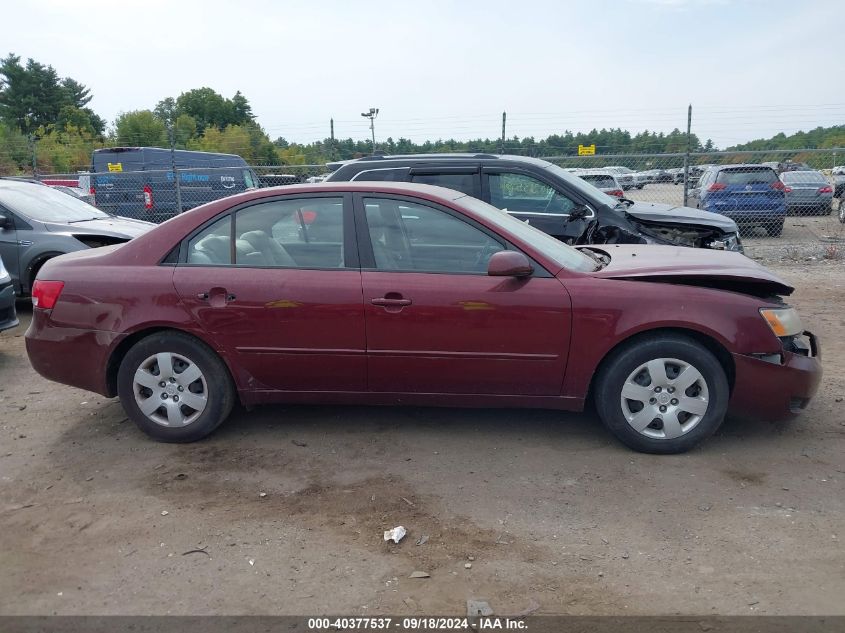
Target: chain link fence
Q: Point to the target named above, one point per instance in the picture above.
(789, 205)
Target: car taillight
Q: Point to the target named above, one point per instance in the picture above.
(717, 186)
(148, 197)
(616, 192)
(826, 189)
(46, 293)
(777, 184)
(92, 190)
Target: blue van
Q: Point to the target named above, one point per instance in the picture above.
(138, 182)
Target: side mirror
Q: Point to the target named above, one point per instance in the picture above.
(5, 222)
(509, 264)
(579, 213)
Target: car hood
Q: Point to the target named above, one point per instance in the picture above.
(667, 213)
(724, 270)
(115, 226)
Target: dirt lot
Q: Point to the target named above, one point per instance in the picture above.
(551, 513)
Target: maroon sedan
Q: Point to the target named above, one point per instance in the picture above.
(387, 293)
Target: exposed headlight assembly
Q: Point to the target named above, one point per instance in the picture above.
(783, 321)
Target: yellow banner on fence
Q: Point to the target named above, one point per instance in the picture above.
(587, 150)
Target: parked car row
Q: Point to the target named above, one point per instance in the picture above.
(756, 195)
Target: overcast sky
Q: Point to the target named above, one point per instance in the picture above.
(442, 69)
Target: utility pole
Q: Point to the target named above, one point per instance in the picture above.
(331, 147)
(686, 156)
(371, 115)
(502, 144)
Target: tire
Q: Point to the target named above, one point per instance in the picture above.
(774, 228)
(842, 211)
(203, 403)
(708, 394)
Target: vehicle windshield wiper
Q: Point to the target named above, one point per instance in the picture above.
(83, 220)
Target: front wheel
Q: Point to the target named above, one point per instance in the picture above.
(662, 394)
(174, 387)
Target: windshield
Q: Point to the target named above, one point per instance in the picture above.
(589, 191)
(565, 256)
(44, 204)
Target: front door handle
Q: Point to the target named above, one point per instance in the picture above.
(391, 303)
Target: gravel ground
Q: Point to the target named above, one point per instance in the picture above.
(282, 511)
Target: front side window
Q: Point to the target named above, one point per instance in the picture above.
(459, 182)
(521, 193)
(407, 236)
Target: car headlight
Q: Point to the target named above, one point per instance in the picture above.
(783, 321)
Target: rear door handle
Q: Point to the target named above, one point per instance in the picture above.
(217, 292)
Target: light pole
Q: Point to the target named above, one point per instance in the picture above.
(371, 115)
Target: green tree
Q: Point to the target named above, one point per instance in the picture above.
(33, 96)
(140, 128)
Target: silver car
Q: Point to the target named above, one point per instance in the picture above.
(37, 223)
(807, 193)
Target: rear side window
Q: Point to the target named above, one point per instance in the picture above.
(383, 175)
(747, 176)
(602, 181)
(212, 245)
(464, 183)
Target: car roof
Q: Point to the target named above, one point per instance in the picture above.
(15, 182)
(422, 158)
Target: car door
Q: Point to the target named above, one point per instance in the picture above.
(694, 192)
(535, 201)
(437, 323)
(9, 247)
(277, 285)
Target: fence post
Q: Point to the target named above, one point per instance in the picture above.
(686, 155)
(331, 149)
(176, 185)
(502, 144)
(34, 156)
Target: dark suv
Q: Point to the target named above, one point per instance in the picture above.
(550, 199)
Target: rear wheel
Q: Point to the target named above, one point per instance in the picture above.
(174, 387)
(662, 394)
(774, 228)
